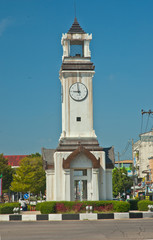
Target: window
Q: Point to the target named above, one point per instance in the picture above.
(80, 172)
(76, 49)
(78, 119)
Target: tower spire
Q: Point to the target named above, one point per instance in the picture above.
(75, 8)
(75, 28)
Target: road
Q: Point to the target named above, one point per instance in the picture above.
(78, 230)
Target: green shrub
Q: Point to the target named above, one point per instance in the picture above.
(38, 206)
(133, 204)
(143, 205)
(47, 207)
(7, 208)
(120, 206)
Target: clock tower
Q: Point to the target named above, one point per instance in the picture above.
(78, 169)
(76, 76)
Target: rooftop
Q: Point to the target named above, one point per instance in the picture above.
(124, 161)
(76, 28)
(14, 160)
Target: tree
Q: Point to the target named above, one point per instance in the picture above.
(6, 171)
(30, 176)
(121, 182)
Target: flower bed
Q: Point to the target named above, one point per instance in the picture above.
(80, 207)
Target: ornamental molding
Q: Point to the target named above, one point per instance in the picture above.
(75, 153)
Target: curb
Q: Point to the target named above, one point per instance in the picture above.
(79, 216)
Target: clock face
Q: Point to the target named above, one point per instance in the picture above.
(78, 91)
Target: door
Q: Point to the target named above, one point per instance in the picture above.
(80, 184)
(80, 190)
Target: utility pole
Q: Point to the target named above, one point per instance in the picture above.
(133, 168)
(1, 187)
(118, 161)
(146, 112)
(119, 170)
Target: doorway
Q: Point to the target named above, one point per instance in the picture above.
(80, 184)
(80, 190)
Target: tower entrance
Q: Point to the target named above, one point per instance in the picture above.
(80, 184)
(80, 190)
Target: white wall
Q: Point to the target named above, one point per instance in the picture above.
(60, 175)
(72, 109)
(81, 161)
(50, 183)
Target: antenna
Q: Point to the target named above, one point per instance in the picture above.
(75, 8)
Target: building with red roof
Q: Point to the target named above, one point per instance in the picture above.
(14, 160)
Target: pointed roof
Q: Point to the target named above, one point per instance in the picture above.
(75, 28)
(86, 152)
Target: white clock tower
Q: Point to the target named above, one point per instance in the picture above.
(79, 169)
(76, 75)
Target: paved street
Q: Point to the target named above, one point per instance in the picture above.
(78, 230)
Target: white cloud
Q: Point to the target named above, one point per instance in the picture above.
(4, 23)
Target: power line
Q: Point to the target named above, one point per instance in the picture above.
(147, 122)
(146, 112)
(150, 112)
(125, 150)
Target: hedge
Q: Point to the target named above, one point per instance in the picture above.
(143, 205)
(7, 208)
(47, 207)
(38, 206)
(133, 204)
(78, 207)
(120, 206)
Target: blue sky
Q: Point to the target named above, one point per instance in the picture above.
(31, 56)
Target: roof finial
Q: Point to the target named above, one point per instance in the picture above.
(75, 8)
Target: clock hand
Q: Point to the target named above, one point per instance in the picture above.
(78, 88)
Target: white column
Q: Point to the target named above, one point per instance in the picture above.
(59, 176)
(50, 196)
(109, 188)
(102, 178)
(87, 52)
(67, 184)
(102, 184)
(89, 184)
(95, 183)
